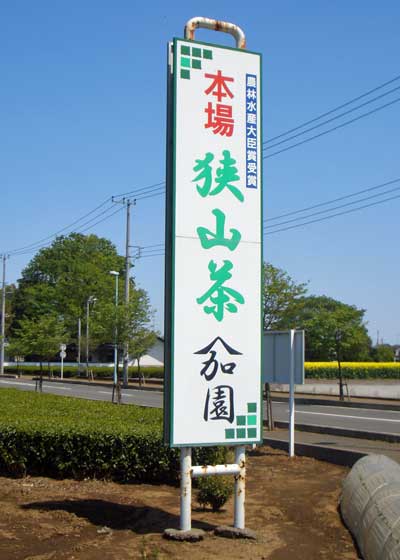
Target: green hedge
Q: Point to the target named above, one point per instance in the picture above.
(156, 372)
(64, 437)
(353, 370)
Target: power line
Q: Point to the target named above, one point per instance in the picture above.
(331, 209)
(380, 186)
(142, 197)
(80, 231)
(331, 119)
(152, 255)
(64, 228)
(333, 110)
(333, 215)
(137, 191)
(334, 128)
(157, 189)
(151, 246)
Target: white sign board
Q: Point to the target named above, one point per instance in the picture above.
(214, 247)
(63, 354)
(277, 355)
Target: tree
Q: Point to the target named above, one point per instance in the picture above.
(9, 307)
(124, 324)
(382, 353)
(139, 344)
(281, 298)
(322, 317)
(40, 337)
(61, 278)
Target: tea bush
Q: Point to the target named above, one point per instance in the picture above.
(64, 437)
(215, 490)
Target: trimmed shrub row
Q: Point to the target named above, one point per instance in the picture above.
(156, 372)
(63, 437)
(353, 370)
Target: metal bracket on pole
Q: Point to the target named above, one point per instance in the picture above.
(215, 25)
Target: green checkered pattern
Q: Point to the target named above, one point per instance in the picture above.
(191, 58)
(245, 424)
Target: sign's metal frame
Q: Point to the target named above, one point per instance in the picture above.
(238, 469)
(170, 250)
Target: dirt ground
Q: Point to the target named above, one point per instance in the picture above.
(290, 503)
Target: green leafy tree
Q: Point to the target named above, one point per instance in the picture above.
(382, 353)
(281, 298)
(322, 317)
(139, 343)
(9, 307)
(124, 324)
(39, 337)
(61, 278)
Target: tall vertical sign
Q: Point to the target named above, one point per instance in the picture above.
(214, 247)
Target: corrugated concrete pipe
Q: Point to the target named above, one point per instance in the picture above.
(370, 507)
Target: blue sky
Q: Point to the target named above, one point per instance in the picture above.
(83, 111)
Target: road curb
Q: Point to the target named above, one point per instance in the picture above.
(337, 455)
(345, 432)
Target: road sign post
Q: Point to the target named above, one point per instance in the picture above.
(63, 355)
(284, 363)
(213, 251)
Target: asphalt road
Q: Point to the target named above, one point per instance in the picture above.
(83, 391)
(378, 421)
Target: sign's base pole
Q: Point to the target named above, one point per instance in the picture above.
(240, 487)
(186, 489)
(185, 531)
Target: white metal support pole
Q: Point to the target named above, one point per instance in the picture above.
(291, 394)
(240, 487)
(62, 365)
(186, 489)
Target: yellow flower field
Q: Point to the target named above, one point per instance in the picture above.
(353, 370)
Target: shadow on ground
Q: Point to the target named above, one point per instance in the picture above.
(140, 519)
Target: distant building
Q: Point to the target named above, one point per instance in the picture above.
(397, 353)
(155, 355)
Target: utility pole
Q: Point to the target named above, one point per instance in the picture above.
(125, 373)
(3, 317)
(128, 202)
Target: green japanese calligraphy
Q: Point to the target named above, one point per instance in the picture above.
(225, 175)
(219, 295)
(209, 239)
(203, 165)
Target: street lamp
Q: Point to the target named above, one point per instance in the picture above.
(91, 299)
(116, 274)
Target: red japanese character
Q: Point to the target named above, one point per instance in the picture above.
(223, 122)
(219, 85)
